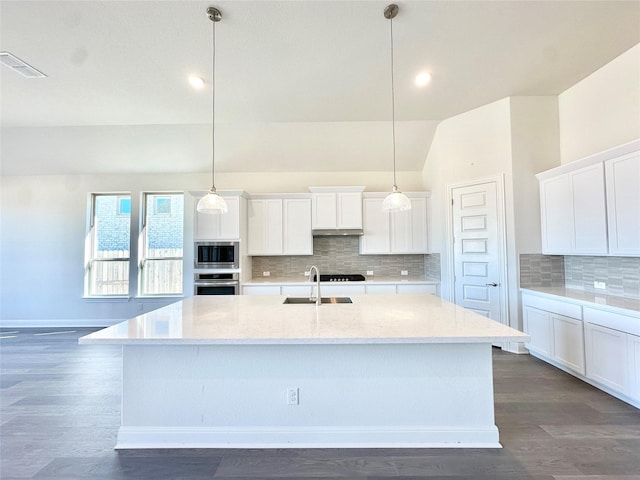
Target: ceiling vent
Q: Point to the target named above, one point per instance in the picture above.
(17, 65)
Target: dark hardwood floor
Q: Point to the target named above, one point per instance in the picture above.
(60, 407)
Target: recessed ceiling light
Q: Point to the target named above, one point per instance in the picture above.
(196, 82)
(423, 78)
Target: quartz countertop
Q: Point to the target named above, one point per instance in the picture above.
(368, 280)
(264, 320)
(623, 305)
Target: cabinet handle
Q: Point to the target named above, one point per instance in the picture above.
(491, 284)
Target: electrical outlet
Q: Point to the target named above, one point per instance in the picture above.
(307, 273)
(600, 285)
(266, 274)
(292, 396)
(404, 272)
(369, 272)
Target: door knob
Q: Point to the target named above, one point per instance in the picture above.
(491, 284)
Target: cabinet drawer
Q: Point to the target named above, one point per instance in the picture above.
(616, 321)
(381, 289)
(432, 289)
(261, 289)
(553, 306)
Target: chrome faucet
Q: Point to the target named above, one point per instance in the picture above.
(318, 298)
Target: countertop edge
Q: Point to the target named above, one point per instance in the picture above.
(544, 292)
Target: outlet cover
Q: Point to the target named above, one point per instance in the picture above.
(266, 274)
(404, 272)
(292, 396)
(369, 272)
(599, 285)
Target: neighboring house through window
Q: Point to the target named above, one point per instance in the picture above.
(161, 238)
(107, 245)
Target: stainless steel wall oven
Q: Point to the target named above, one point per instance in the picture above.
(213, 283)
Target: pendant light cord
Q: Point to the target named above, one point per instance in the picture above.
(213, 112)
(393, 110)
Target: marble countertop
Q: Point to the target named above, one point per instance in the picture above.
(264, 320)
(623, 305)
(368, 280)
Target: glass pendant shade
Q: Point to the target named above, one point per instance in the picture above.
(212, 203)
(396, 201)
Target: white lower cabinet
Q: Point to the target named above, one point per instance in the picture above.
(341, 290)
(381, 289)
(633, 349)
(261, 289)
(554, 334)
(607, 357)
(601, 347)
(297, 290)
(537, 324)
(417, 288)
(568, 342)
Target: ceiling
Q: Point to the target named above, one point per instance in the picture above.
(301, 85)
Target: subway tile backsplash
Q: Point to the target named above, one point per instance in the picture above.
(341, 255)
(541, 270)
(621, 275)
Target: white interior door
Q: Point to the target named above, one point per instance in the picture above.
(477, 259)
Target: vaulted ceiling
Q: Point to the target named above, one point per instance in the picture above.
(301, 85)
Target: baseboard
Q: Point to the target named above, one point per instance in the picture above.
(307, 437)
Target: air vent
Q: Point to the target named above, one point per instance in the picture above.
(17, 65)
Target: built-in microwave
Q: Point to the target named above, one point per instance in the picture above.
(216, 255)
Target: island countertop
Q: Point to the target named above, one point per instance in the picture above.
(265, 320)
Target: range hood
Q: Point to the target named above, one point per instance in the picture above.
(336, 232)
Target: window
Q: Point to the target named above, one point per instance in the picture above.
(161, 244)
(107, 245)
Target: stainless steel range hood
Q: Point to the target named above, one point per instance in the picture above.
(335, 232)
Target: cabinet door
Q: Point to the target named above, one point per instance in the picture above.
(623, 204)
(568, 342)
(381, 289)
(376, 238)
(225, 226)
(261, 289)
(349, 210)
(409, 228)
(297, 226)
(537, 323)
(589, 211)
(556, 215)
(606, 355)
(417, 288)
(324, 210)
(265, 227)
(633, 344)
(341, 290)
(297, 290)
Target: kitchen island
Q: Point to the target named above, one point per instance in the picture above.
(253, 372)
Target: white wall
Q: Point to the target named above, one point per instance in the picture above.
(473, 145)
(603, 110)
(43, 225)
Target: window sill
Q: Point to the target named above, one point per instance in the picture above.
(159, 297)
(107, 298)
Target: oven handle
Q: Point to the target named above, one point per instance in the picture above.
(215, 284)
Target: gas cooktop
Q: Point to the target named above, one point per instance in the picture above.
(340, 277)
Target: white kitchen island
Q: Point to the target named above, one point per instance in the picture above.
(383, 371)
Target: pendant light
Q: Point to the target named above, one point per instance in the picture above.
(396, 201)
(212, 202)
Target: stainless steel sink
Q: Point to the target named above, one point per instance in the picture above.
(308, 301)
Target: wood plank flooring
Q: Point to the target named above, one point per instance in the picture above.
(60, 411)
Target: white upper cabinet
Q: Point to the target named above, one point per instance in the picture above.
(573, 212)
(336, 207)
(297, 239)
(397, 232)
(592, 206)
(623, 204)
(224, 226)
(280, 225)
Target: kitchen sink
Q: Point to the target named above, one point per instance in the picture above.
(309, 301)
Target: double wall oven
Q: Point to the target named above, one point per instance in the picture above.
(216, 268)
